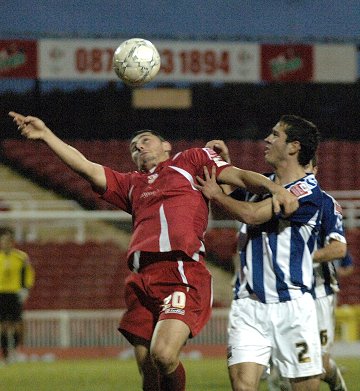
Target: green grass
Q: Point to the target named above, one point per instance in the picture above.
(111, 375)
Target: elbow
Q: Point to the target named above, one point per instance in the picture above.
(254, 220)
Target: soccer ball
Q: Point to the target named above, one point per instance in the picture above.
(136, 61)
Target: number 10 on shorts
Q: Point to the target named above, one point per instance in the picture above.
(174, 303)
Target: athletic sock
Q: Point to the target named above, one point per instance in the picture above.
(5, 345)
(334, 379)
(154, 386)
(151, 382)
(174, 381)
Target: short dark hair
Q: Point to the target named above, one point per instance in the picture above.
(304, 131)
(154, 132)
(314, 160)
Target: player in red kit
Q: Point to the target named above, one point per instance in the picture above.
(169, 293)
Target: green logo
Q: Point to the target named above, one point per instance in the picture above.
(13, 61)
(281, 65)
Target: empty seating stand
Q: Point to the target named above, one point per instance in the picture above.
(77, 276)
(336, 162)
(38, 163)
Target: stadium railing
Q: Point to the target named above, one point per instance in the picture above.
(26, 215)
(350, 203)
(98, 328)
(26, 222)
(79, 329)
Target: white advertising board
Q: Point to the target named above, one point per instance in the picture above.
(91, 59)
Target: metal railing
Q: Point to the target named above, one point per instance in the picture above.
(350, 203)
(27, 215)
(98, 328)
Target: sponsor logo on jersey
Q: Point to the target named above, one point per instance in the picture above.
(147, 194)
(152, 178)
(300, 189)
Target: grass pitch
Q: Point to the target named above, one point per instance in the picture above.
(116, 375)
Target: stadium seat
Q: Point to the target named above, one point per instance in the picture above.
(77, 276)
(336, 159)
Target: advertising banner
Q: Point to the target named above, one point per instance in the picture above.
(335, 63)
(182, 61)
(18, 59)
(292, 63)
(87, 59)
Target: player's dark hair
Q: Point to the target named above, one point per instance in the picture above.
(154, 132)
(314, 160)
(304, 131)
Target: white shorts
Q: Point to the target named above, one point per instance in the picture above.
(325, 309)
(287, 332)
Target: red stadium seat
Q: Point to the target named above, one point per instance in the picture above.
(75, 276)
(336, 162)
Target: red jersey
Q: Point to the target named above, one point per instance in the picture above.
(169, 213)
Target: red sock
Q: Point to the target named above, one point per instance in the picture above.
(152, 384)
(174, 381)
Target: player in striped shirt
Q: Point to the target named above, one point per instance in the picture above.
(331, 248)
(329, 256)
(273, 314)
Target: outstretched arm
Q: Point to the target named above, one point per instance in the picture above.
(35, 129)
(282, 200)
(248, 212)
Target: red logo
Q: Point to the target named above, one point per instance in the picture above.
(300, 189)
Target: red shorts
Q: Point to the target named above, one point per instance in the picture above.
(167, 290)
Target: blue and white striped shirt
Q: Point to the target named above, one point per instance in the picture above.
(325, 281)
(276, 263)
